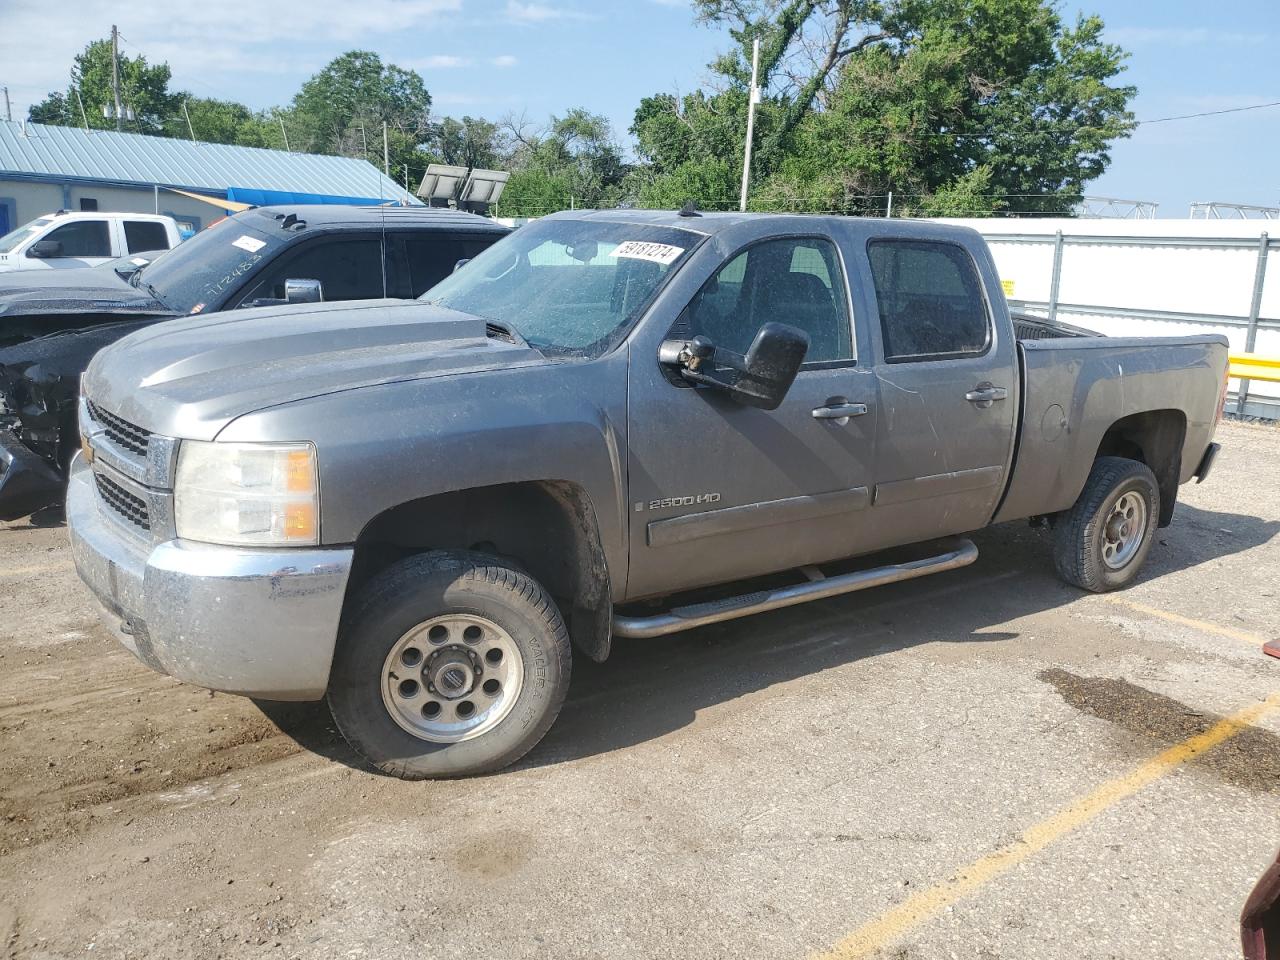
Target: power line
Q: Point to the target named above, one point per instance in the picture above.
(1212, 113)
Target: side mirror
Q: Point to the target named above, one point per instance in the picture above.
(759, 379)
(45, 249)
(461, 263)
(303, 291)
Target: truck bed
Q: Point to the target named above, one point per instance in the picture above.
(1075, 390)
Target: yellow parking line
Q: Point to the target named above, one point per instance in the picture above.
(1242, 635)
(28, 571)
(916, 909)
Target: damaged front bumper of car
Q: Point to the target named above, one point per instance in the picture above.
(27, 482)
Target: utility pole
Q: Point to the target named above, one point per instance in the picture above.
(83, 116)
(8, 111)
(753, 97)
(888, 210)
(283, 134)
(188, 116)
(115, 74)
(386, 152)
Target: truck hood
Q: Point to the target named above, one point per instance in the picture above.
(84, 290)
(189, 378)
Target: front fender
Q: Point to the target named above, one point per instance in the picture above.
(384, 445)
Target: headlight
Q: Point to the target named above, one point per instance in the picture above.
(245, 494)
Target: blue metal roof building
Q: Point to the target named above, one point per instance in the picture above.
(43, 168)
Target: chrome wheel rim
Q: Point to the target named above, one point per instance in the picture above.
(1124, 530)
(452, 678)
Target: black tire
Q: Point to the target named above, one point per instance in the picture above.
(1079, 536)
(419, 589)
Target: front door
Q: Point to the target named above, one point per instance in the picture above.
(719, 490)
(948, 392)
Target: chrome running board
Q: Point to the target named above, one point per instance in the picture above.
(961, 554)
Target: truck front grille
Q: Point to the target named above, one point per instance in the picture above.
(134, 509)
(120, 431)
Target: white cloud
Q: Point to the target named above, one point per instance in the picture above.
(505, 60)
(521, 12)
(208, 53)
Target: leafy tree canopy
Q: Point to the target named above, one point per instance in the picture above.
(143, 86)
(918, 97)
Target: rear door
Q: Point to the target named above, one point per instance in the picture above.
(948, 390)
(141, 236)
(431, 256)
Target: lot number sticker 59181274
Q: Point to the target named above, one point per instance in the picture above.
(662, 253)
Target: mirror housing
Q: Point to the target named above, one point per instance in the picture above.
(303, 291)
(759, 379)
(45, 249)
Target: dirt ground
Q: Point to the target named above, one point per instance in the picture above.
(774, 787)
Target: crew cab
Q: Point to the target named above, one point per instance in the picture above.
(65, 240)
(610, 424)
(52, 323)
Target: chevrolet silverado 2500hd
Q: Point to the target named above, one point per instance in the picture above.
(417, 510)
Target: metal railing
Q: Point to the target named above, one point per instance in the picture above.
(1251, 322)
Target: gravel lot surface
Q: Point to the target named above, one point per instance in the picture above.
(869, 775)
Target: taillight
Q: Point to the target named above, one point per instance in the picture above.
(1222, 394)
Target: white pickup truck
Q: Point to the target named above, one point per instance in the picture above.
(63, 239)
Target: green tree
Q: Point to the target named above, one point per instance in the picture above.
(143, 87)
(342, 108)
(924, 98)
(574, 162)
(469, 142)
(221, 121)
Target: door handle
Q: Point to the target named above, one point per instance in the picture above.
(839, 411)
(986, 394)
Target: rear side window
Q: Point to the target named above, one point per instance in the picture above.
(432, 258)
(143, 235)
(930, 301)
(83, 238)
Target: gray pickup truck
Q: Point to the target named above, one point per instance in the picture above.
(608, 424)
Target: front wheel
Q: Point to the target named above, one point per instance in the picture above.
(449, 664)
(1101, 543)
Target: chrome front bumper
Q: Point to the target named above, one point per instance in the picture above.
(262, 623)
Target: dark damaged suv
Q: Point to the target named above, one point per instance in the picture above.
(52, 322)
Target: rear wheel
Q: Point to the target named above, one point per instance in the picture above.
(449, 664)
(1101, 543)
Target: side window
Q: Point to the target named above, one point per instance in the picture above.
(930, 300)
(432, 257)
(143, 235)
(347, 270)
(796, 281)
(83, 238)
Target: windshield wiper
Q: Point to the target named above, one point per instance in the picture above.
(503, 331)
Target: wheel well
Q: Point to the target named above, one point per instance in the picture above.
(1154, 438)
(546, 527)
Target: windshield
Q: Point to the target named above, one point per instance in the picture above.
(14, 239)
(569, 287)
(199, 273)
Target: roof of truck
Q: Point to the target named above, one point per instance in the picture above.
(712, 222)
(331, 215)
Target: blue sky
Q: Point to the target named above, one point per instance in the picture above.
(538, 57)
